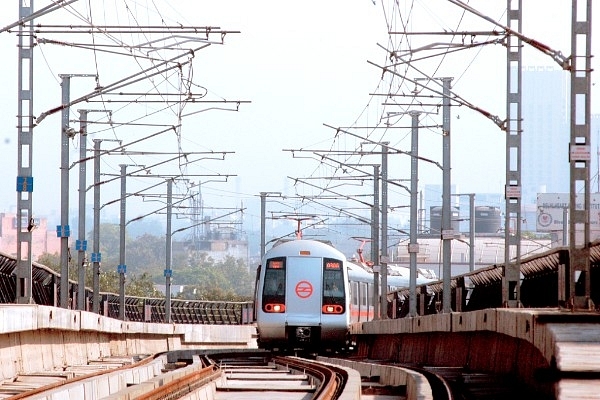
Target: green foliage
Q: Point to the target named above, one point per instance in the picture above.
(110, 243)
(146, 254)
(50, 261)
(135, 285)
(144, 257)
(109, 281)
(203, 277)
(141, 286)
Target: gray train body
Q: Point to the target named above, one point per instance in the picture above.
(307, 294)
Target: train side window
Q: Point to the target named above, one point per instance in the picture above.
(364, 293)
(355, 293)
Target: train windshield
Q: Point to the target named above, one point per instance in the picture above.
(333, 282)
(274, 284)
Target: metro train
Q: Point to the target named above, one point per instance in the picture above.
(307, 294)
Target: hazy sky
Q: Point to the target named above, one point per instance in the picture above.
(300, 65)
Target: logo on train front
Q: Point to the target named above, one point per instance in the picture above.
(304, 289)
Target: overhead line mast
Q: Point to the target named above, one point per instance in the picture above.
(28, 37)
(25, 220)
(511, 273)
(579, 66)
(579, 150)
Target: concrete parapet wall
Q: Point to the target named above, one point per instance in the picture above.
(417, 386)
(485, 320)
(215, 333)
(526, 342)
(95, 322)
(106, 385)
(548, 330)
(353, 387)
(576, 346)
(36, 338)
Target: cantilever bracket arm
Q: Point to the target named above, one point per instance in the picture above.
(562, 60)
(494, 118)
(48, 9)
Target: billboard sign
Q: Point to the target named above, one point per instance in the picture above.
(551, 210)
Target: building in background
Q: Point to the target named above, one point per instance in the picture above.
(545, 138)
(219, 241)
(545, 149)
(42, 239)
(488, 250)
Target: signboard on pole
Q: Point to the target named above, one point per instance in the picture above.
(553, 207)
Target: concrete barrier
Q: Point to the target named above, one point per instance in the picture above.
(35, 338)
(417, 386)
(562, 346)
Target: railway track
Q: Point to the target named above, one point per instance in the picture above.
(439, 383)
(33, 385)
(196, 375)
(479, 385)
(279, 377)
(256, 374)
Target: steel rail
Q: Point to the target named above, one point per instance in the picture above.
(332, 379)
(46, 388)
(178, 388)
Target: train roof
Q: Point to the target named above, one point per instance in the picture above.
(285, 240)
(398, 276)
(356, 270)
(292, 247)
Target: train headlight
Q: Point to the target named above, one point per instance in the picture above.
(332, 309)
(274, 308)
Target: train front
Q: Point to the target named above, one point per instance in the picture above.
(303, 297)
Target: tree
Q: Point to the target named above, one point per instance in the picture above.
(202, 277)
(144, 258)
(109, 281)
(227, 280)
(141, 286)
(110, 244)
(146, 255)
(50, 260)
